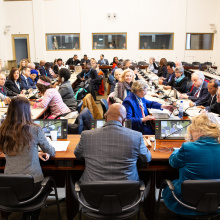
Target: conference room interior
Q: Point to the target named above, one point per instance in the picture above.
(171, 51)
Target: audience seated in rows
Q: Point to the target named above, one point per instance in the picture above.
(65, 89)
(26, 81)
(112, 160)
(73, 61)
(13, 84)
(136, 106)
(51, 98)
(123, 88)
(19, 141)
(179, 82)
(153, 67)
(199, 93)
(205, 132)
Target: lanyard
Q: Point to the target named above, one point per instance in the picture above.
(87, 74)
(45, 71)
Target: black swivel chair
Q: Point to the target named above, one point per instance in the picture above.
(104, 105)
(82, 123)
(17, 194)
(202, 196)
(109, 199)
(196, 63)
(142, 63)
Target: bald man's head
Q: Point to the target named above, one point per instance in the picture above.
(116, 112)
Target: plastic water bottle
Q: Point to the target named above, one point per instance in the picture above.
(181, 110)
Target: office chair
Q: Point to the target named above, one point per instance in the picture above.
(142, 63)
(17, 194)
(202, 196)
(83, 122)
(109, 199)
(110, 78)
(104, 105)
(208, 63)
(196, 63)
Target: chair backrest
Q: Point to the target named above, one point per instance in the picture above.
(189, 86)
(109, 197)
(196, 63)
(202, 194)
(208, 63)
(15, 188)
(110, 78)
(104, 105)
(142, 63)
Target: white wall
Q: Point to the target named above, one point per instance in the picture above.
(38, 17)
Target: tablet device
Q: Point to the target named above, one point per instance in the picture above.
(171, 129)
(59, 125)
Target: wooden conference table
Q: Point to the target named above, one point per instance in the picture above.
(144, 67)
(66, 163)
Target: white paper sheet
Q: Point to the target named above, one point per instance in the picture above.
(59, 145)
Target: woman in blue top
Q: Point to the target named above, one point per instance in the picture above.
(205, 131)
(136, 106)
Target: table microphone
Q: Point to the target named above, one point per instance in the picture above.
(176, 131)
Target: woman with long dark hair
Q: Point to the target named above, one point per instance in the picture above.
(13, 84)
(19, 141)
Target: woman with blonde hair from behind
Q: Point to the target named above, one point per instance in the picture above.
(123, 88)
(196, 160)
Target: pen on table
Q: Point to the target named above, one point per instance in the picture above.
(155, 145)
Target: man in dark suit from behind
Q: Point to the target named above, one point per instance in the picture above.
(112, 152)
